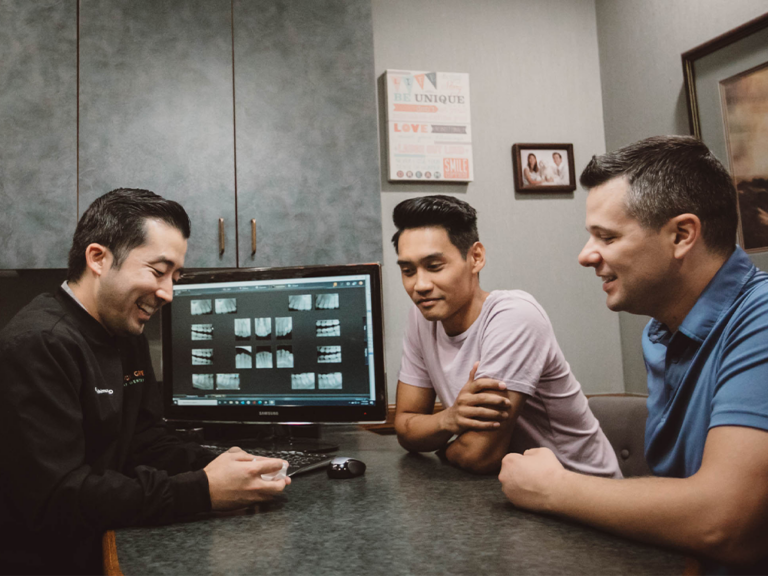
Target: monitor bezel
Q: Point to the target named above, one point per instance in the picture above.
(281, 414)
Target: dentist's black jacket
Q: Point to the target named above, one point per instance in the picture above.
(82, 444)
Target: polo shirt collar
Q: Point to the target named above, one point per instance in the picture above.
(717, 297)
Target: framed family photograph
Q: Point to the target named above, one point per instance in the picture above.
(543, 167)
(726, 83)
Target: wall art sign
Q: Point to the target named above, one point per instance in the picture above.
(429, 133)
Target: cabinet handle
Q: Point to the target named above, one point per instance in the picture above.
(221, 237)
(253, 237)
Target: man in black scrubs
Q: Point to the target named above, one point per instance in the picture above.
(83, 445)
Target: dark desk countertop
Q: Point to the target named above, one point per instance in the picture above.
(409, 514)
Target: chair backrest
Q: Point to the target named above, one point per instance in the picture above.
(622, 417)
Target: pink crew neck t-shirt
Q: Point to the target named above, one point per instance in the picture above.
(514, 342)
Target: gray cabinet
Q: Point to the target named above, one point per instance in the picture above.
(307, 146)
(38, 132)
(252, 110)
(156, 110)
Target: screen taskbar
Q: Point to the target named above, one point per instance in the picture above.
(272, 401)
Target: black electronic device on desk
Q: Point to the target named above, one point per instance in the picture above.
(263, 356)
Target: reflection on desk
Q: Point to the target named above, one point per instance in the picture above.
(409, 514)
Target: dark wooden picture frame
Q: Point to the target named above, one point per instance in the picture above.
(691, 56)
(706, 69)
(548, 175)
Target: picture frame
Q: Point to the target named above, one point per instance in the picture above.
(543, 167)
(715, 74)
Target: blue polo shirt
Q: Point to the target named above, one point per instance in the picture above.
(712, 372)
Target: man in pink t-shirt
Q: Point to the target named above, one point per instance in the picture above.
(492, 358)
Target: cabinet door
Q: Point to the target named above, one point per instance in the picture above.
(38, 132)
(307, 148)
(156, 110)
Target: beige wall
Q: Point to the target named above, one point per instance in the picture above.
(643, 95)
(534, 77)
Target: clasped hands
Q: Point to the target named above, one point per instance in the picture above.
(481, 405)
(529, 480)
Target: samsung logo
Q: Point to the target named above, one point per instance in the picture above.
(268, 413)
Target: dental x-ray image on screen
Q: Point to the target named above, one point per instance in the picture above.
(327, 301)
(284, 328)
(243, 358)
(202, 381)
(226, 305)
(330, 381)
(227, 381)
(284, 357)
(264, 357)
(202, 332)
(262, 327)
(328, 354)
(327, 328)
(242, 328)
(202, 357)
(301, 302)
(306, 342)
(200, 307)
(303, 381)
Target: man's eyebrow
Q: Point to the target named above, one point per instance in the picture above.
(432, 256)
(596, 228)
(163, 260)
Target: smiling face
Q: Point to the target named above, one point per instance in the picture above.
(128, 296)
(442, 283)
(531, 161)
(635, 264)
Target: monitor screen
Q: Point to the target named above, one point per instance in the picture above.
(285, 345)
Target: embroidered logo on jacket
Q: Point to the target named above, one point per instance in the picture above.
(103, 391)
(136, 377)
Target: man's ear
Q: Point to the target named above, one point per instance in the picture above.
(685, 231)
(98, 258)
(476, 256)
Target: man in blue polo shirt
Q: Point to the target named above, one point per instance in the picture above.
(662, 219)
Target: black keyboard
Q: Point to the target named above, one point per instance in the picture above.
(298, 462)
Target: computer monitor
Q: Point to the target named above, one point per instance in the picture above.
(275, 345)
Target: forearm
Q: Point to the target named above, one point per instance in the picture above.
(159, 449)
(685, 513)
(111, 500)
(422, 432)
(479, 451)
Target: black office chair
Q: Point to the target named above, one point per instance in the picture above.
(622, 418)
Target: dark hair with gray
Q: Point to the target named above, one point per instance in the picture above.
(457, 217)
(669, 176)
(117, 220)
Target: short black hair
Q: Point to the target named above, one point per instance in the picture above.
(457, 217)
(117, 221)
(669, 176)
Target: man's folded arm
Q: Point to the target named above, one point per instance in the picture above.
(484, 429)
(417, 428)
(481, 451)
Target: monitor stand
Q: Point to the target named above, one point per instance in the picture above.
(277, 437)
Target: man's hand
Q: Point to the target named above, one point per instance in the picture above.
(531, 480)
(479, 405)
(234, 480)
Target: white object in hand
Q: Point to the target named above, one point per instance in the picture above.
(279, 475)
